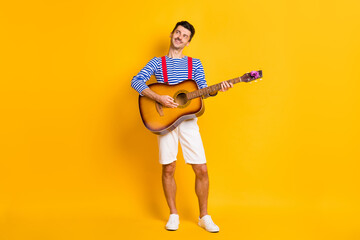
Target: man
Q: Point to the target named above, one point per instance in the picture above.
(172, 69)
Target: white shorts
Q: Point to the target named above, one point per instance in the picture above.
(188, 134)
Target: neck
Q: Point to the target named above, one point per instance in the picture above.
(175, 53)
(204, 91)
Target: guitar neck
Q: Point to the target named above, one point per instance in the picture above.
(210, 89)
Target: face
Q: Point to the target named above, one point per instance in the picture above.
(180, 37)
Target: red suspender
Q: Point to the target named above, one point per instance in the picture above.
(189, 68)
(163, 62)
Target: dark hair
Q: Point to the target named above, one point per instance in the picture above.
(186, 25)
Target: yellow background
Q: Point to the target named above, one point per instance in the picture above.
(283, 153)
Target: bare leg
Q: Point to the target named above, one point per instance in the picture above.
(201, 187)
(169, 185)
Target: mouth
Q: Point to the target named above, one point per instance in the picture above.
(178, 41)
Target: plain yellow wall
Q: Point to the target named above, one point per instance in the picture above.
(73, 144)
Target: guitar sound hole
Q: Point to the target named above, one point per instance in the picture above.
(181, 99)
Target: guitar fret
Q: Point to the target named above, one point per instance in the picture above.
(211, 89)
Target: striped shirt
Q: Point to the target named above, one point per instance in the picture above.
(177, 70)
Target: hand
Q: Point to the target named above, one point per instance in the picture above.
(167, 101)
(225, 86)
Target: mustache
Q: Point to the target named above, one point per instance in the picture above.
(178, 39)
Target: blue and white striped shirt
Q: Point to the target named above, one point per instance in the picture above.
(177, 70)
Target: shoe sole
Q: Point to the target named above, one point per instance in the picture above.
(169, 229)
(208, 230)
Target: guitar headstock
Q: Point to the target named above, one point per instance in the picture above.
(251, 76)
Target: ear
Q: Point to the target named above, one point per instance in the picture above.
(187, 43)
(171, 34)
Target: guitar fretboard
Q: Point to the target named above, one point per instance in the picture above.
(210, 89)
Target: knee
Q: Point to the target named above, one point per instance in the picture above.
(168, 170)
(201, 171)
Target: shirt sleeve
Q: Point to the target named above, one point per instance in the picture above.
(199, 77)
(139, 81)
(199, 74)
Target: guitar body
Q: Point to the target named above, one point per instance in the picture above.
(161, 120)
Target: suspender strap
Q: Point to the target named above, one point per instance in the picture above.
(163, 61)
(164, 69)
(190, 65)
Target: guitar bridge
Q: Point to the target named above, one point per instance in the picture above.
(159, 109)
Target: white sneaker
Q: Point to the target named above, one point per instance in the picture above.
(207, 223)
(173, 223)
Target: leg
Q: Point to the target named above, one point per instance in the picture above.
(201, 186)
(168, 149)
(169, 185)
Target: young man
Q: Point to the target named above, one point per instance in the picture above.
(172, 69)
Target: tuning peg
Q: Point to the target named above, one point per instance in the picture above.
(255, 80)
(260, 79)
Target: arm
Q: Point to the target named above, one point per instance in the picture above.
(139, 84)
(139, 81)
(164, 100)
(199, 77)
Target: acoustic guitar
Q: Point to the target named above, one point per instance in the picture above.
(161, 120)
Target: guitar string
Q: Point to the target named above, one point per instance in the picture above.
(213, 88)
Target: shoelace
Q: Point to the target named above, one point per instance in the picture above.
(209, 221)
(173, 220)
